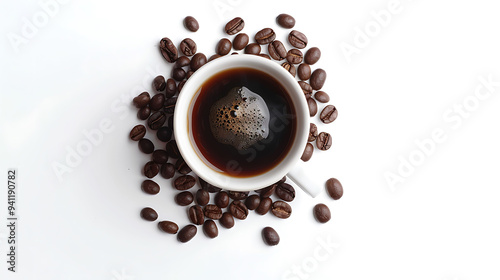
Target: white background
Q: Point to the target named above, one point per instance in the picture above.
(86, 60)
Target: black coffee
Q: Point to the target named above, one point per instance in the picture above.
(243, 122)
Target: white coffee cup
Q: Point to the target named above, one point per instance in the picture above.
(291, 165)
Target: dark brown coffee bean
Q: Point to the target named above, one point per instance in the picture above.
(156, 120)
(141, 100)
(186, 233)
(215, 56)
(268, 191)
(313, 106)
(237, 195)
(318, 78)
(184, 182)
(324, 141)
(210, 229)
(277, 50)
(304, 72)
(212, 211)
(308, 152)
(159, 84)
(240, 41)
(195, 214)
(285, 191)
(169, 106)
(182, 61)
(281, 209)
(297, 39)
(285, 21)
(156, 102)
(171, 88)
(322, 213)
(160, 156)
(322, 96)
(146, 146)
(180, 85)
(270, 236)
(306, 88)
(168, 227)
(189, 74)
(144, 113)
(313, 132)
(202, 197)
(265, 36)
(150, 187)
(329, 114)
(290, 68)
(264, 55)
(312, 56)
(178, 74)
(138, 132)
(188, 47)
(334, 188)
(191, 24)
(164, 133)
(227, 220)
(282, 180)
(197, 61)
(221, 199)
(182, 167)
(184, 198)
(234, 26)
(264, 206)
(224, 46)
(294, 56)
(170, 121)
(149, 214)
(168, 50)
(208, 187)
(151, 169)
(252, 202)
(238, 210)
(252, 48)
(167, 170)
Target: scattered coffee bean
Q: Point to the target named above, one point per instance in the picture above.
(172, 149)
(149, 214)
(297, 39)
(208, 187)
(180, 85)
(141, 100)
(160, 156)
(277, 50)
(186, 233)
(252, 48)
(304, 72)
(264, 206)
(197, 61)
(195, 214)
(306, 88)
(334, 188)
(268, 191)
(308, 152)
(210, 229)
(264, 55)
(182, 167)
(227, 220)
(285, 191)
(188, 47)
(313, 106)
(184, 198)
(143, 113)
(312, 55)
(159, 84)
(171, 88)
(167, 170)
(240, 41)
(237, 195)
(329, 114)
(313, 132)
(138, 132)
(178, 74)
(281, 209)
(324, 141)
(151, 169)
(294, 56)
(290, 68)
(146, 146)
(164, 133)
(322, 96)
(189, 74)
(182, 61)
(150, 187)
(285, 21)
(233, 53)
(318, 78)
(212, 211)
(265, 36)
(170, 121)
(252, 202)
(156, 120)
(184, 182)
(234, 26)
(168, 50)
(156, 102)
(282, 180)
(221, 199)
(215, 56)
(238, 210)
(191, 24)
(270, 236)
(202, 197)
(168, 227)
(322, 213)
(224, 46)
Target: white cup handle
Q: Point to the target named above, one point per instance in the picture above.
(302, 177)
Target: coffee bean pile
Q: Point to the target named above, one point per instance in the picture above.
(166, 161)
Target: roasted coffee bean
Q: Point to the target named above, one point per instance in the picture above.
(188, 47)
(150, 187)
(164, 133)
(149, 214)
(156, 120)
(195, 214)
(285, 191)
(189, 74)
(281, 209)
(318, 78)
(170, 121)
(210, 229)
(304, 72)
(184, 182)
(227, 220)
(322, 96)
(252, 202)
(197, 61)
(329, 114)
(312, 56)
(237, 195)
(334, 188)
(180, 85)
(268, 191)
(159, 84)
(285, 21)
(168, 50)
(191, 24)
(265, 36)
(234, 26)
(156, 102)
(252, 48)
(202, 197)
(186, 233)
(313, 106)
(167, 170)
(324, 141)
(264, 206)
(151, 169)
(306, 88)
(233, 53)
(182, 167)
(322, 213)
(168, 227)
(290, 68)
(221, 199)
(240, 41)
(160, 156)
(171, 88)
(208, 187)
(215, 56)
(270, 236)
(238, 210)
(178, 74)
(297, 39)
(277, 50)
(141, 100)
(146, 146)
(264, 55)
(184, 198)
(294, 56)
(313, 132)
(138, 132)
(144, 113)
(282, 180)
(224, 46)
(182, 61)
(169, 106)
(308, 152)
(212, 211)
